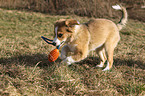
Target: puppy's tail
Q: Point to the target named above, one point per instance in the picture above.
(123, 20)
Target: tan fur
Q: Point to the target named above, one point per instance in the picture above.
(123, 20)
(101, 35)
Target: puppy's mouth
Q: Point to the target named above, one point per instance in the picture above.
(57, 42)
(58, 46)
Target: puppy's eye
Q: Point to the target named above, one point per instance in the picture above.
(68, 30)
(60, 35)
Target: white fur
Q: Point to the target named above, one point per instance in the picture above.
(107, 67)
(56, 40)
(69, 60)
(78, 22)
(77, 27)
(117, 7)
(101, 63)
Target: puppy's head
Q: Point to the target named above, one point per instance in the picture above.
(64, 30)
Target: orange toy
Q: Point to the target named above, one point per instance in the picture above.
(53, 55)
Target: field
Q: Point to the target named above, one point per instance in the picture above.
(25, 70)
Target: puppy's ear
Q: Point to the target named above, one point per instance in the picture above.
(70, 22)
(60, 22)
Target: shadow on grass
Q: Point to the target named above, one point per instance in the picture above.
(93, 61)
(32, 60)
(28, 60)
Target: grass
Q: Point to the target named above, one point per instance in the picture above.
(25, 70)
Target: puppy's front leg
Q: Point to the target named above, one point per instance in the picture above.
(76, 56)
(69, 60)
(66, 55)
(64, 52)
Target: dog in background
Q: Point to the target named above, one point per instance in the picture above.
(101, 35)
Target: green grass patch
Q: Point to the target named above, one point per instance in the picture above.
(26, 71)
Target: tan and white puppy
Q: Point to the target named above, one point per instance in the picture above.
(101, 35)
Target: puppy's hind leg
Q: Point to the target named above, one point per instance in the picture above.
(102, 57)
(109, 59)
(109, 48)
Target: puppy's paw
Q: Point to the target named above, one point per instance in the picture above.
(106, 69)
(100, 65)
(69, 60)
(68, 63)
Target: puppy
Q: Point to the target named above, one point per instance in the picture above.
(101, 35)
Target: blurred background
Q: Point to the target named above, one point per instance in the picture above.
(89, 8)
